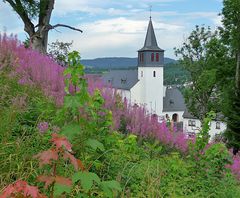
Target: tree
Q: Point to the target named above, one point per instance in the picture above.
(231, 36)
(30, 10)
(202, 55)
(59, 51)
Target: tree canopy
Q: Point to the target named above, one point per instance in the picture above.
(202, 55)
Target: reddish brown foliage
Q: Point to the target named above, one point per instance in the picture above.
(74, 161)
(63, 180)
(59, 142)
(48, 180)
(21, 189)
(45, 157)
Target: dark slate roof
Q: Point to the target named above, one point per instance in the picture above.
(187, 114)
(173, 100)
(150, 40)
(121, 79)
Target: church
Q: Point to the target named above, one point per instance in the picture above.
(144, 86)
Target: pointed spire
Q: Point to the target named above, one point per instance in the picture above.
(150, 40)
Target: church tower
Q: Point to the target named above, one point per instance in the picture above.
(150, 73)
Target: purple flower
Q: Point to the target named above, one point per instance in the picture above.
(43, 127)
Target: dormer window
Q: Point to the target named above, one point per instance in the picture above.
(152, 57)
(123, 81)
(157, 57)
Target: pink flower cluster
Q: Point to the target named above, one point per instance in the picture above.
(43, 127)
(32, 67)
(235, 166)
(136, 119)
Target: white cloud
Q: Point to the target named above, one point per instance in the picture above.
(115, 28)
(119, 37)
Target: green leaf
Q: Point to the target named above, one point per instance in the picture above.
(59, 189)
(71, 130)
(109, 186)
(95, 144)
(71, 101)
(86, 179)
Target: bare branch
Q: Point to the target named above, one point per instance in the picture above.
(17, 7)
(63, 25)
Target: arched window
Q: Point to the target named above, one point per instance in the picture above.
(152, 57)
(157, 57)
(141, 73)
(154, 73)
(142, 57)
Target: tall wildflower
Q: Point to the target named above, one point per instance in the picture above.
(32, 67)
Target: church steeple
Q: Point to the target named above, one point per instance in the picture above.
(150, 55)
(150, 40)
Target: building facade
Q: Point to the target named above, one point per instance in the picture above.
(144, 86)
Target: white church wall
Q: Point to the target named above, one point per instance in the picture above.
(164, 91)
(125, 94)
(151, 88)
(194, 126)
(136, 94)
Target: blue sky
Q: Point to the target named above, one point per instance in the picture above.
(114, 28)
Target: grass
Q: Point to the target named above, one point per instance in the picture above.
(144, 169)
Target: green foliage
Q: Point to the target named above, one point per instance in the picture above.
(175, 74)
(231, 37)
(59, 51)
(232, 112)
(203, 55)
(112, 164)
(86, 179)
(203, 135)
(231, 29)
(108, 188)
(21, 109)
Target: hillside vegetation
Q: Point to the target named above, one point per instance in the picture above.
(67, 136)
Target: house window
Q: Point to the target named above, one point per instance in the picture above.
(191, 123)
(157, 57)
(218, 125)
(141, 73)
(152, 57)
(154, 73)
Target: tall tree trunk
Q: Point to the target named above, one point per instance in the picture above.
(39, 41)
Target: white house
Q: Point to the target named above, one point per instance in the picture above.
(144, 86)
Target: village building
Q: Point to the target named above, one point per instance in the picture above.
(144, 86)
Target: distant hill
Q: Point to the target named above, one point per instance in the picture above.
(115, 62)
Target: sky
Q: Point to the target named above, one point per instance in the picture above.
(117, 28)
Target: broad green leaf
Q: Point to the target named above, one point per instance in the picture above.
(59, 189)
(95, 144)
(109, 186)
(86, 179)
(71, 130)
